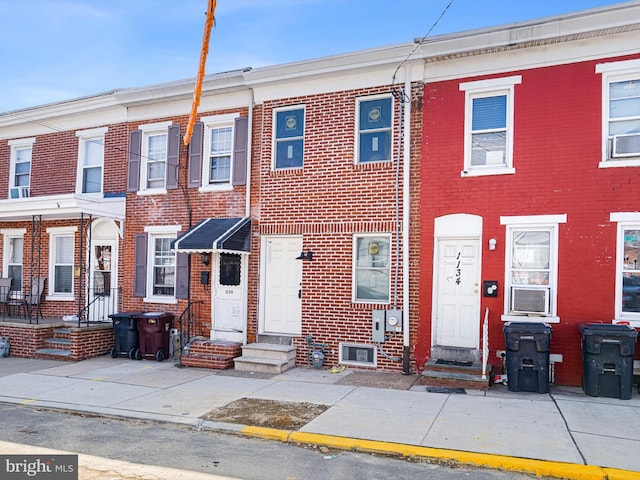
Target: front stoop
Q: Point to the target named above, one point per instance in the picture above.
(266, 358)
(214, 354)
(58, 347)
(455, 374)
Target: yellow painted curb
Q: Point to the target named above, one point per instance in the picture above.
(501, 462)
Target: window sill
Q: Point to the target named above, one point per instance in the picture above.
(60, 298)
(635, 323)
(152, 191)
(530, 318)
(476, 172)
(165, 300)
(222, 187)
(286, 172)
(631, 162)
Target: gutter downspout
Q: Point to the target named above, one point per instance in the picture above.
(247, 212)
(406, 205)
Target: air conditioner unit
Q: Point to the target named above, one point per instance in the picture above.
(19, 192)
(626, 145)
(530, 300)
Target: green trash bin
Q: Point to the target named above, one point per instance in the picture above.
(607, 355)
(527, 356)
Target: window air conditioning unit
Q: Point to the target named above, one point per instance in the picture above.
(530, 300)
(626, 145)
(19, 192)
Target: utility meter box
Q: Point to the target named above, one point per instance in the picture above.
(393, 320)
(378, 326)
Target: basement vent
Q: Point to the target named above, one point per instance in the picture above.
(355, 354)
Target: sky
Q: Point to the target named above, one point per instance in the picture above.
(56, 50)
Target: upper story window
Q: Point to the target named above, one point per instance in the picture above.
(371, 268)
(374, 117)
(154, 158)
(154, 153)
(627, 293)
(90, 160)
(620, 113)
(531, 267)
(217, 164)
(20, 167)
(288, 138)
(488, 126)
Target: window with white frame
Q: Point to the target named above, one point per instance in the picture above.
(13, 258)
(531, 271)
(288, 137)
(61, 258)
(627, 305)
(620, 113)
(162, 274)
(218, 150)
(371, 268)
(90, 160)
(374, 118)
(488, 126)
(154, 156)
(20, 167)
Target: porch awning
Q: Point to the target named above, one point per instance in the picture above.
(216, 235)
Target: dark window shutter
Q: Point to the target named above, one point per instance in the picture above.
(195, 155)
(240, 146)
(173, 156)
(182, 275)
(140, 272)
(135, 148)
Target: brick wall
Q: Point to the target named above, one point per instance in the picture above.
(557, 149)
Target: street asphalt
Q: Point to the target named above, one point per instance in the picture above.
(562, 434)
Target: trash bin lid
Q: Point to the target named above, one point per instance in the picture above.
(607, 329)
(527, 327)
(124, 314)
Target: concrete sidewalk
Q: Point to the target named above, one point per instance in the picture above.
(563, 434)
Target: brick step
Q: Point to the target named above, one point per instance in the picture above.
(58, 344)
(200, 360)
(53, 354)
(61, 333)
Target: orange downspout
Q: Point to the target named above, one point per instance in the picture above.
(203, 60)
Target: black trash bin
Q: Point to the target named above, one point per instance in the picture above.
(154, 332)
(527, 356)
(607, 355)
(125, 332)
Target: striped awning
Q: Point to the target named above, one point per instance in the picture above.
(216, 235)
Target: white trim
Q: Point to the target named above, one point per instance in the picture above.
(61, 230)
(491, 84)
(54, 234)
(22, 141)
(364, 346)
(618, 67)
(84, 137)
(222, 118)
(533, 219)
(625, 221)
(92, 132)
(14, 232)
(162, 228)
(354, 268)
(624, 217)
(152, 127)
(213, 122)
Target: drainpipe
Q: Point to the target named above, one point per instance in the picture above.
(406, 205)
(247, 212)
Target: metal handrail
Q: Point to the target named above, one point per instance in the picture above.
(189, 316)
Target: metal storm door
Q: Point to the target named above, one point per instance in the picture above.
(102, 298)
(282, 285)
(457, 321)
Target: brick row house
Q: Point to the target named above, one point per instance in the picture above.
(345, 210)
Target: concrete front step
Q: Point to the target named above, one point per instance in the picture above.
(262, 365)
(53, 354)
(455, 374)
(283, 353)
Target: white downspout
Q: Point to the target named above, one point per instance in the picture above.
(406, 205)
(247, 212)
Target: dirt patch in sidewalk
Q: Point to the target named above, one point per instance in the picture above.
(392, 380)
(266, 413)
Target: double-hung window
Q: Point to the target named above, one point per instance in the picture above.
(156, 264)
(374, 118)
(154, 156)
(14, 249)
(288, 138)
(20, 167)
(531, 267)
(621, 113)
(90, 160)
(61, 258)
(217, 162)
(488, 126)
(371, 268)
(627, 305)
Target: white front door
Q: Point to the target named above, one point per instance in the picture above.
(456, 280)
(229, 297)
(103, 294)
(282, 285)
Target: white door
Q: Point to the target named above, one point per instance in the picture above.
(457, 322)
(282, 291)
(229, 297)
(102, 298)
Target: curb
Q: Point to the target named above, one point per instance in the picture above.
(546, 468)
